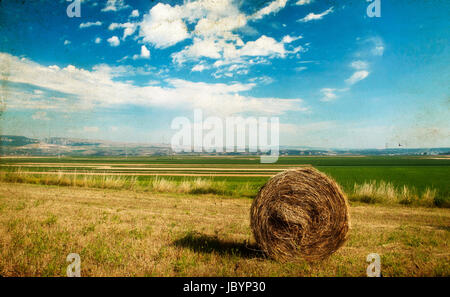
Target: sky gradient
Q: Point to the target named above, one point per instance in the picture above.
(124, 69)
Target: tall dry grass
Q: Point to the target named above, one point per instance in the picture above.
(105, 181)
(386, 193)
(195, 186)
(380, 192)
(77, 179)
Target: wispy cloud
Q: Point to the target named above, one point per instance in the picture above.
(266, 80)
(115, 5)
(289, 39)
(359, 65)
(312, 16)
(98, 87)
(330, 94)
(378, 50)
(371, 47)
(304, 2)
(357, 76)
(199, 68)
(273, 7)
(90, 24)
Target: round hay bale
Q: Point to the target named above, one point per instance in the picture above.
(300, 213)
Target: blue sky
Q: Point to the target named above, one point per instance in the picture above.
(124, 69)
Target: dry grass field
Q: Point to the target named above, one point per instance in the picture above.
(132, 233)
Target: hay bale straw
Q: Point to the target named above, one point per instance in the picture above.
(300, 213)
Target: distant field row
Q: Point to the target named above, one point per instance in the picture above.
(418, 173)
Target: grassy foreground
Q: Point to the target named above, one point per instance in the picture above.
(126, 233)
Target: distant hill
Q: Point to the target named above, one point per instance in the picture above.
(53, 146)
(20, 145)
(11, 140)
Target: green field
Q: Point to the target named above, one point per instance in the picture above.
(233, 173)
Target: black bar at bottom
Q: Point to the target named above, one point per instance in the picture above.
(216, 286)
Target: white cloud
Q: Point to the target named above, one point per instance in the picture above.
(329, 94)
(289, 39)
(195, 10)
(120, 71)
(230, 71)
(20, 99)
(273, 7)
(357, 76)
(374, 46)
(134, 13)
(67, 42)
(214, 35)
(163, 26)
(129, 28)
(230, 53)
(266, 80)
(145, 53)
(115, 5)
(312, 16)
(359, 65)
(114, 26)
(200, 48)
(304, 2)
(90, 24)
(40, 115)
(114, 41)
(99, 88)
(263, 46)
(199, 68)
(378, 50)
(98, 40)
(220, 27)
(300, 68)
